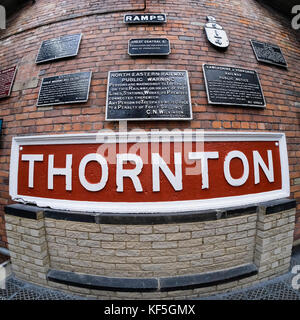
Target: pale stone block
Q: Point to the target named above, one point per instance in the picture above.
(153, 237)
(165, 228)
(139, 229)
(77, 234)
(112, 229)
(179, 236)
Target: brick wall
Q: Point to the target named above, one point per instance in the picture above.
(104, 48)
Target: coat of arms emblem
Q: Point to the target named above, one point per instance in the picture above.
(216, 35)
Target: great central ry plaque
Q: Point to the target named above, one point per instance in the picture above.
(268, 53)
(64, 89)
(232, 86)
(7, 77)
(62, 47)
(148, 95)
(149, 47)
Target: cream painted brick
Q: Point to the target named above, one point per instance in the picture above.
(165, 266)
(50, 223)
(33, 240)
(65, 241)
(165, 228)
(89, 243)
(126, 237)
(128, 253)
(164, 244)
(247, 226)
(77, 234)
(101, 236)
(32, 224)
(81, 263)
(189, 243)
(164, 259)
(203, 233)
(202, 262)
(189, 257)
(191, 227)
(214, 239)
(237, 235)
(153, 237)
(112, 245)
(112, 229)
(226, 230)
(13, 220)
(212, 254)
(138, 260)
(139, 229)
(178, 236)
(102, 252)
(252, 218)
(56, 232)
(138, 245)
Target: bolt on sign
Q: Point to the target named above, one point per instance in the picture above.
(7, 77)
(149, 171)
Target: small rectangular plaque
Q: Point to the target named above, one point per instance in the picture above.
(62, 47)
(233, 86)
(64, 89)
(7, 77)
(145, 18)
(268, 53)
(148, 95)
(149, 47)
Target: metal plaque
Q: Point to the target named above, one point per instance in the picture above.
(233, 86)
(65, 89)
(145, 18)
(268, 53)
(215, 33)
(7, 77)
(148, 95)
(58, 48)
(149, 47)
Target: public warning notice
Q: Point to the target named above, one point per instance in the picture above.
(148, 95)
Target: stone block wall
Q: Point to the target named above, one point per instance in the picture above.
(183, 254)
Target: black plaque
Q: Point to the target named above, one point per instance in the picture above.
(268, 53)
(58, 48)
(145, 18)
(149, 47)
(148, 95)
(64, 89)
(233, 86)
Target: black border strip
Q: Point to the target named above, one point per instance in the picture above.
(151, 284)
(34, 212)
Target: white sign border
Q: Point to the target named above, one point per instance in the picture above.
(150, 207)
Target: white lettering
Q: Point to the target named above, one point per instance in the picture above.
(104, 174)
(159, 163)
(130, 173)
(204, 156)
(236, 182)
(60, 171)
(258, 161)
(31, 158)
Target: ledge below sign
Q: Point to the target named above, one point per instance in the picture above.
(149, 171)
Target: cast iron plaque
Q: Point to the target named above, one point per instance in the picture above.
(149, 47)
(148, 95)
(145, 18)
(62, 47)
(233, 86)
(7, 77)
(268, 53)
(64, 89)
